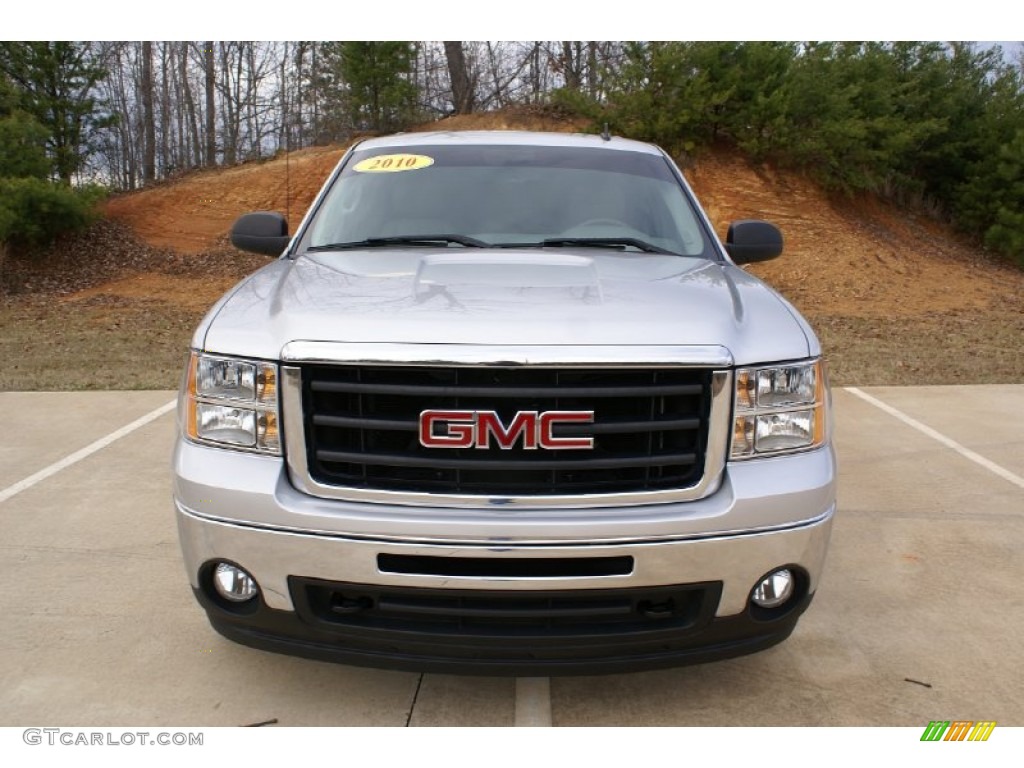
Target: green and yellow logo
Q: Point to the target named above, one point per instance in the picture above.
(958, 730)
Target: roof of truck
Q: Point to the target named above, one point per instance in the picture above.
(522, 138)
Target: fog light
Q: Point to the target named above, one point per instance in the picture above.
(234, 584)
(774, 589)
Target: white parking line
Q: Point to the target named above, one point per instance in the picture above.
(533, 702)
(967, 453)
(67, 461)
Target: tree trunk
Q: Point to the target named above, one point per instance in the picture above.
(127, 167)
(174, 119)
(230, 101)
(535, 74)
(211, 136)
(190, 106)
(314, 75)
(166, 125)
(592, 68)
(571, 64)
(254, 119)
(148, 121)
(282, 138)
(462, 88)
(298, 100)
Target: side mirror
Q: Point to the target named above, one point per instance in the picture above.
(263, 232)
(752, 240)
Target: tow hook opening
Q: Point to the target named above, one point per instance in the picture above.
(343, 605)
(661, 609)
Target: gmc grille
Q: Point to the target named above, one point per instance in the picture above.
(650, 429)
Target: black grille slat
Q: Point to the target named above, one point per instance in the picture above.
(502, 567)
(621, 608)
(455, 391)
(362, 423)
(514, 464)
(323, 420)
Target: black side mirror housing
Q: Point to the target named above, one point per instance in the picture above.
(263, 232)
(751, 240)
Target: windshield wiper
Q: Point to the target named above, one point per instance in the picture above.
(619, 243)
(380, 242)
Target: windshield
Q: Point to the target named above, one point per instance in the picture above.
(508, 196)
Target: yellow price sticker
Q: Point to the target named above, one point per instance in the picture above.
(393, 163)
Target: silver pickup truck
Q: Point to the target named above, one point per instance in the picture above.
(505, 404)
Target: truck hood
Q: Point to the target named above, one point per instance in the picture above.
(505, 297)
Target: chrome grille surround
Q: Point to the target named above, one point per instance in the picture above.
(714, 358)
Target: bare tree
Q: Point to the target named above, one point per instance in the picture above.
(571, 64)
(190, 107)
(229, 97)
(168, 139)
(117, 146)
(284, 136)
(262, 96)
(463, 96)
(211, 135)
(592, 75)
(536, 75)
(506, 63)
(148, 121)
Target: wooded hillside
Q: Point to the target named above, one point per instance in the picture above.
(936, 127)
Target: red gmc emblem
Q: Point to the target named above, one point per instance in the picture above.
(475, 429)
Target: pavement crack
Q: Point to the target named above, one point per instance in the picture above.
(412, 706)
(916, 682)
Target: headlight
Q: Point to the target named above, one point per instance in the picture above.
(232, 402)
(779, 409)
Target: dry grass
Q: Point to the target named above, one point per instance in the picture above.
(956, 348)
(98, 343)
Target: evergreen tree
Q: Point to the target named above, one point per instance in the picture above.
(372, 83)
(921, 122)
(22, 139)
(1007, 231)
(56, 83)
(32, 208)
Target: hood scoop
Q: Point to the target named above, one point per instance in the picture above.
(511, 270)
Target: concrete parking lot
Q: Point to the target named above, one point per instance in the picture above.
(919, 616)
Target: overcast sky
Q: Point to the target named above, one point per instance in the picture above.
(1011, 49)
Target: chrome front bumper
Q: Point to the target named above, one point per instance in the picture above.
(241, 508)
(271, 556)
